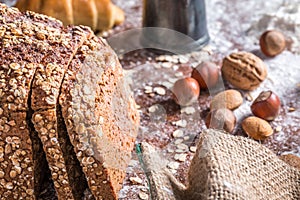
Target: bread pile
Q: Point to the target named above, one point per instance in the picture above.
(64, 106)
(98, 14)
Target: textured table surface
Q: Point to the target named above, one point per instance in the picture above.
(233, 26)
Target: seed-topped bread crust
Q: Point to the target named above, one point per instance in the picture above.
(23, 158)
(45, 91)
(64, 106)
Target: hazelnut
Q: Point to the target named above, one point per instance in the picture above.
(186, 91)
(257, 128)
(266, 105)
(230, 99)
(272, 43)
(207, 74)
(222, 119)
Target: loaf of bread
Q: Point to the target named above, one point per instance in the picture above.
(64, 106)
(98, 14)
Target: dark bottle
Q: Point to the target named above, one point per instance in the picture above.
(180, 25)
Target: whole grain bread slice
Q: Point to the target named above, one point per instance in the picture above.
(22, 159)
(69, 181)
(66, 173)
(100, 116)
(16, 158)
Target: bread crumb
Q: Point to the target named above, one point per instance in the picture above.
(166, 65)
(180, 157)
(153, 108)
(159, 90)
(278, 128)
(193, 149)
(178, 133)
(135, 180)
(178, 141)
(143, 195)
(173, 165)
(180, 123)
(188, 110)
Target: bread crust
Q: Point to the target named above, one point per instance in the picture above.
(43, 62)
(20, 164)
(102, 145)
(90, 13)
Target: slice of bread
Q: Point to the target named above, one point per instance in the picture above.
(100, 116)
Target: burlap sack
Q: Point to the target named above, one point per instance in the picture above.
(225, 167)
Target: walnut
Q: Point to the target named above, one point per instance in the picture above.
(244, 70)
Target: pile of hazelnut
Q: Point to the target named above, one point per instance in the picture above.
(244, 71)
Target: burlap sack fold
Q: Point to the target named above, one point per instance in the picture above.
(225, 167)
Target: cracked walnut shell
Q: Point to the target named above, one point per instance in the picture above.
(244, 70)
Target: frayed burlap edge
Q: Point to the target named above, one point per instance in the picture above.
(225, 167)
